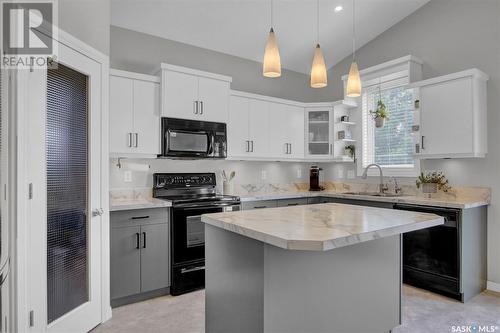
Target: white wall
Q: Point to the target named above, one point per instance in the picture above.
(87, 20)
(449, 36)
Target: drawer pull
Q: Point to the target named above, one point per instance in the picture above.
(259, 207)
(292, 204)
(140, 217)
(193, 269)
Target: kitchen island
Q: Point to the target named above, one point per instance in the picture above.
(318, 268)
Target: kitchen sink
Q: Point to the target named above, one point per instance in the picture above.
(376, 194)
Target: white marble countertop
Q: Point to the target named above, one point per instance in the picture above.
(320, 227)
(442, 201)
(142, 203)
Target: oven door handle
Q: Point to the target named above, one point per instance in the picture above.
(192, 269)
(204, 206)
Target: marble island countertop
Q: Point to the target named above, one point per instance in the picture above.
(320, 227)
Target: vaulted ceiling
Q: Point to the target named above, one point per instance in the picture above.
(240, 27)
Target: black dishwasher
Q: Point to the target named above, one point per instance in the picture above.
(431, 257)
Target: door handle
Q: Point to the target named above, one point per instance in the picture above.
(129, 139)
(143, 240)
(422, 142)
(97, 212)
(137, 241)
(136, 139)
(193, 269)
(290, 150)
(252, 146)
(201, 107)
(195, 111)
(140, 217)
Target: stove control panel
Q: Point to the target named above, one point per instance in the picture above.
(180, 180)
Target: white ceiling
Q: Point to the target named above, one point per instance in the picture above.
(240, 27)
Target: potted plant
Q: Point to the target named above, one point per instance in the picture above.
(430, 182)
(349, 150)
(380, 115)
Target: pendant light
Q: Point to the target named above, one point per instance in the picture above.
(353, 88)
(318, 69)
(271, 66)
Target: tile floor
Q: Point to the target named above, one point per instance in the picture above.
(423, 312)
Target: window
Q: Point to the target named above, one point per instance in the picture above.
(390, 146)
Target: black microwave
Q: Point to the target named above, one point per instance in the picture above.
(191, 139)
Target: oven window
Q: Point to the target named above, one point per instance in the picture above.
(195, 232)
(188, 141)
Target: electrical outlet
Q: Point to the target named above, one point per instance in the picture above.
(299, 173)
(263, 175)
(127, 176)
(350, 174)
(340, 173)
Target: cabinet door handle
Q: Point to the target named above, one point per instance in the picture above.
(140, 217)
(422, 142)
(136, 140)
(290, 150)
(129, 139)
(137, 240)
(247, 144)
(195, 111)
(286, 148)
(252, 146)
(201, 107)
(144, 240)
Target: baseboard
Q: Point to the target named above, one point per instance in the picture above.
(493, 286)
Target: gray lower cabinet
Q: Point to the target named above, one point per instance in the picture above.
(317, 200)
(258, 204)
(292, 202)
(140, 255)
(358, 202)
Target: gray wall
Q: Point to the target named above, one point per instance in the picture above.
(87, 20)
(449, 36)
(143, 53)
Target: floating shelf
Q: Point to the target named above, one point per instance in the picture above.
(348, 140)
(348, 123)
(319, 121)
(319, 142)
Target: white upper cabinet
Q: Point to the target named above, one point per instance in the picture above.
(193, 94)
(265, 128)
(286, 139)
(453, 113)
(319, 132)
(134, 114)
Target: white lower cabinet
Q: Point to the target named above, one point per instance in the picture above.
(453, 115)
(134, 114)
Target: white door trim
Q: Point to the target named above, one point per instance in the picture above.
(20, 255)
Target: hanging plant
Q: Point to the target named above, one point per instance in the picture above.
(380, 115)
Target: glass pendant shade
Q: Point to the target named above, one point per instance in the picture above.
(353, 88)
(318, 70)
(272, 62)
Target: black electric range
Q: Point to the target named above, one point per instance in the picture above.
(191, 194)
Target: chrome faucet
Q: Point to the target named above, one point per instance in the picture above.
(397, 188)
(382, 187)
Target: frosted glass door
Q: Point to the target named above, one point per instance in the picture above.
(67, 188)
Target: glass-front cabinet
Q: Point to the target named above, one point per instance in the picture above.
(319, 138)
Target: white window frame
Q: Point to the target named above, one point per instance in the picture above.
(391, 74)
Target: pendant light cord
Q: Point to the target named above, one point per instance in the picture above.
(353, 31)
(317, 21)
(272, 21)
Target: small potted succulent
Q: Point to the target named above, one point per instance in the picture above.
(349, 150)
(430, 182)
(380, 115)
